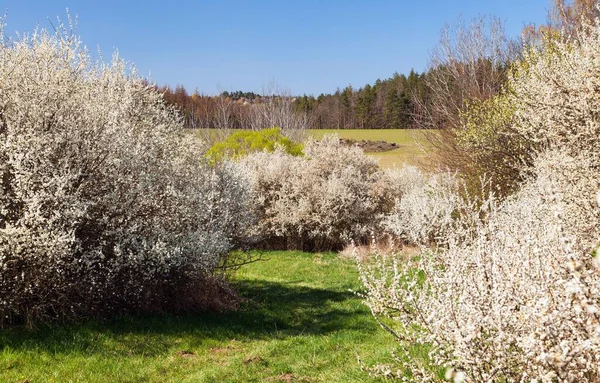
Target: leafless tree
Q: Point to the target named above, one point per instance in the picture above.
(568, 16)
(276, 108)
(223, 117)
(469, 63)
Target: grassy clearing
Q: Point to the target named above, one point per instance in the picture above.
(413, 149)
(300, 324)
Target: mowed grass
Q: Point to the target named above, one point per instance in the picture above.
(300, 324)
(413, 146)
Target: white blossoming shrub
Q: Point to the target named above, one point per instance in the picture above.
(322, 200)
(426, 205)
(104, 205)
(514, 296)
(517, 300)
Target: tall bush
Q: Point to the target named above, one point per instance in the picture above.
(321, 200)
(495, 149)
(104, 206)
(514, 294)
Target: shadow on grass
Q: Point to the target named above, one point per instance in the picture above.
(273, 310)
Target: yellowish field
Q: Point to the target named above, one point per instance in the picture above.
(414, 148)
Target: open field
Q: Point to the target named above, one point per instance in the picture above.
(413, 146)
(301, 323)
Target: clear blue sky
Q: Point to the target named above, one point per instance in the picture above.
(310, 46)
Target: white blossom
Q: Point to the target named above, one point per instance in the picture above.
(105, 204)
(511, 292)
(322, 200)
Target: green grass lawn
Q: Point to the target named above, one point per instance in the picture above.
(300, 324)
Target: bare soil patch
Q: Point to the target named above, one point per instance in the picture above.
(370, 146)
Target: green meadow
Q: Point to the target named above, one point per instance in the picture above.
(299, 322)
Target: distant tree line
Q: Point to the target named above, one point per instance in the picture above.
(392, 103)
(235, 110)
(387, 104)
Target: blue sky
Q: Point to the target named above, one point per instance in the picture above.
(310, 46)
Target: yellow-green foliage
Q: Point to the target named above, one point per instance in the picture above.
(484, 120)
(499, 135)
(243, 143)
(493, 146)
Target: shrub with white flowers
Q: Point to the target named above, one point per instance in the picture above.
(514, 293)
(425, 205)
(104, 204)
(322, 200)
